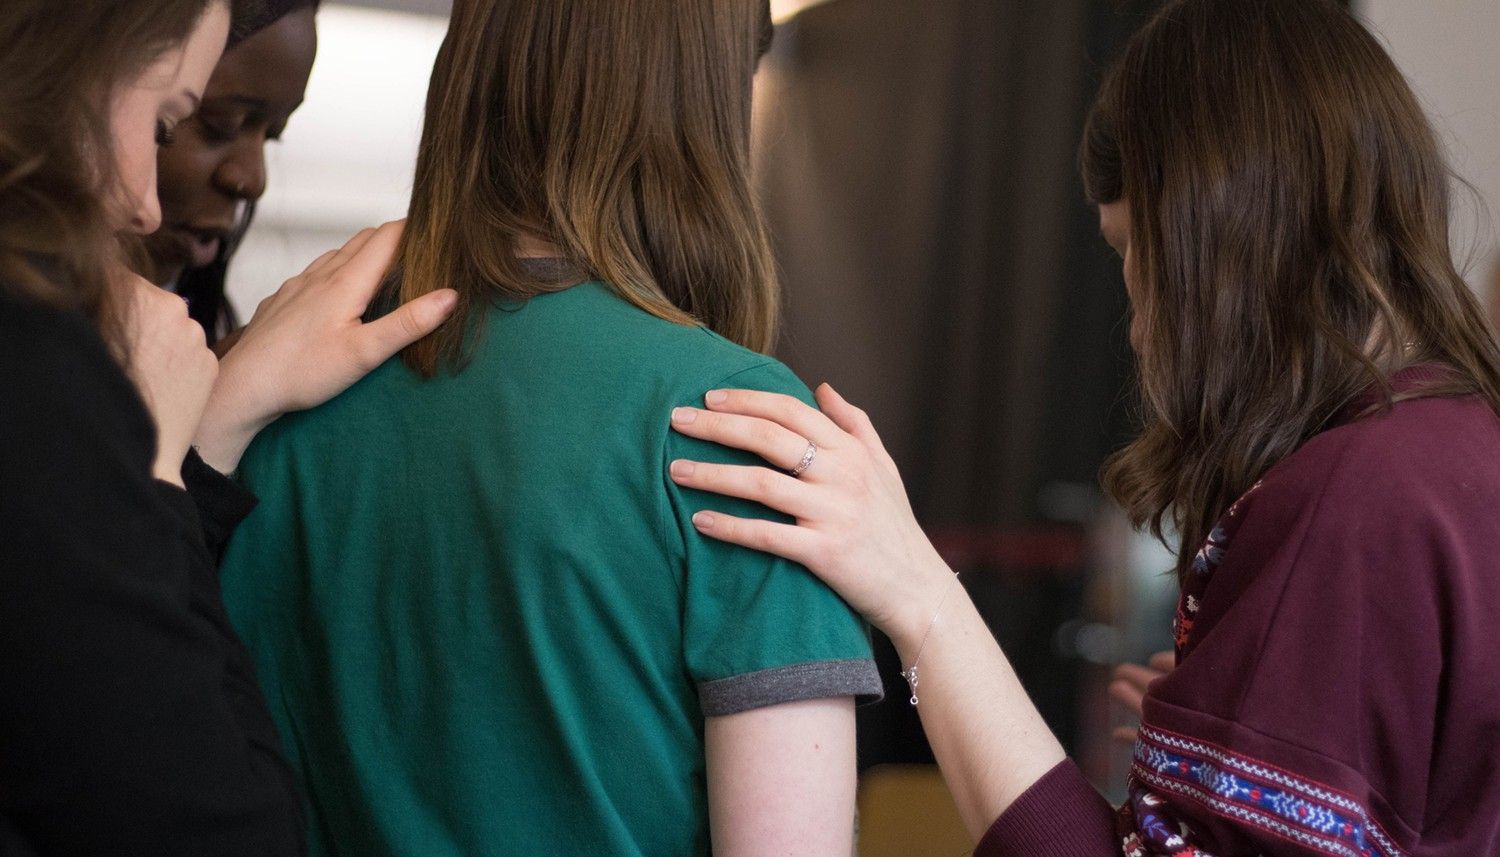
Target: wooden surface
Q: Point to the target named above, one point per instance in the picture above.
(906, 811)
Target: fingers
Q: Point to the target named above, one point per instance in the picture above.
(151, 305)
(1136, 675)
(1131, 684)
(383, 337)
(786, 411)
(342, 255)
(856, 422)
(773, 442)
(139, 287)
(784, 540)
(767, 487)
(1127, 694)
(320, 263)
(367, 265)
(847, 417)
(1125, 735)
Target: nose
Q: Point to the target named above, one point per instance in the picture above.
(146, 216)
(242, 173)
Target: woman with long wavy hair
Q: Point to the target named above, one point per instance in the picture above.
(130, 720)
(1319, 393)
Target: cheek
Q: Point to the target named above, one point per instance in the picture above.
(184, 172)
(133, 132)
(137, 166)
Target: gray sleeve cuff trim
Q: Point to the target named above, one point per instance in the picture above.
(795, 683)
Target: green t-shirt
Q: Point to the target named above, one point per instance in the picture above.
(482, 617)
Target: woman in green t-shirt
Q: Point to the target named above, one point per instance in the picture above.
(487, 626)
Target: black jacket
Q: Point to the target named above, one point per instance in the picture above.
(130, 720)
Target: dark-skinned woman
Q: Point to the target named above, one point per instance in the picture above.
(214, 170)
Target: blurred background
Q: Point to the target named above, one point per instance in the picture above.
(916, 159)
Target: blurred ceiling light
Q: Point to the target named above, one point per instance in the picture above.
(785, 10)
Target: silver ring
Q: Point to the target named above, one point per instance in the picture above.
(807, 460)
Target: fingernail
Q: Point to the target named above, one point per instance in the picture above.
(717, 397)
(703, 521)
(684, 416)
(448, 300)
(682, 469)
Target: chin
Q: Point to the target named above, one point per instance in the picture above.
(165, 272)
(167, 262)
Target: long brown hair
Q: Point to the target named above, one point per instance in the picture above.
(618, 131)
(1289, 210)
(60, 65)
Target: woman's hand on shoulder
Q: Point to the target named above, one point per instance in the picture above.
(854, 525)
(172, 367)
(308, 342)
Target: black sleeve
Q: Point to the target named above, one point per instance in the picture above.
(130, 721)
(11, 843)
(222, 503)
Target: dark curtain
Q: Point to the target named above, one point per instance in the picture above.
(917, 159)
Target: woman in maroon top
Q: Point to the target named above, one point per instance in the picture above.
(1319, 396)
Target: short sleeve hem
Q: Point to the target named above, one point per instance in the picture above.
(779, 685)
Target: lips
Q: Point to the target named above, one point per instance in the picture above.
(201, 245)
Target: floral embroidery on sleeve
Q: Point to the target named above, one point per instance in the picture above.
(1212, 553)
(1151, 831)
(1204, 564)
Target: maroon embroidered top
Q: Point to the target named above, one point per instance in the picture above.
(1338, 687)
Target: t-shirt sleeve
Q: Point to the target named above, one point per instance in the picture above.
(758, 630)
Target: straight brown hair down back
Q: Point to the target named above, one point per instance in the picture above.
(60, 64)
(1290, 231)
(619, 131)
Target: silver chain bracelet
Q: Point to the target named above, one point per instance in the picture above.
(910, 674)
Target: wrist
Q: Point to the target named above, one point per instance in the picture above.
(230, 421)
(930, 596)
(164, 471)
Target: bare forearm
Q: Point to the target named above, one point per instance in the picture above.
(989, 739)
